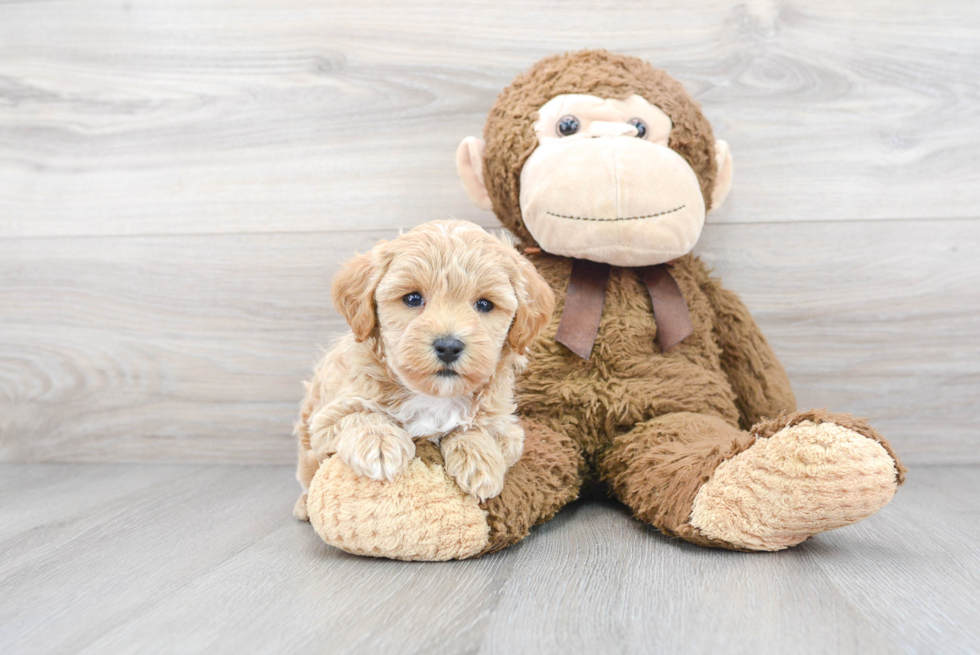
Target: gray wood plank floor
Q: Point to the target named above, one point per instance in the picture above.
(195, 558)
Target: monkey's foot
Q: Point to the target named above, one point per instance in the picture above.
(805, 474)
(423, 515)
(420, 515)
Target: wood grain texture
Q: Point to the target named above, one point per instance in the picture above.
(209, 559)
(178, 184)
(192, 348)
(273, 115)
(878, 319)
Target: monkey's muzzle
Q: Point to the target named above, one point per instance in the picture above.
(618, 200)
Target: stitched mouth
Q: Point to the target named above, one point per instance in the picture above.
(618, 218)
(447, 373)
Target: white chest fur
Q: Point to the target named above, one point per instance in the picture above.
(430, 416)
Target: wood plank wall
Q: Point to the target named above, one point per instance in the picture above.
(179, 181)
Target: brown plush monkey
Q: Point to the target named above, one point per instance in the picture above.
(652, 381)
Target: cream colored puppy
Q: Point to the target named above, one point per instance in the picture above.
(440, 318)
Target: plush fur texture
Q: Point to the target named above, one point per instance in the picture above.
(547, 477)
(805, 479)
(769, 427)
(421, 515)
(654, 426)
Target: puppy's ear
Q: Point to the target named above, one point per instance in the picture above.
(353, 290)
(535, 305)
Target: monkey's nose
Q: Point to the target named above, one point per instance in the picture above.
(448, 349)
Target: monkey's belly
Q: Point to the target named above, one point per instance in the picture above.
(627, 379)
(596, 400)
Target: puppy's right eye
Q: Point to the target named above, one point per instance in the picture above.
(413, 299)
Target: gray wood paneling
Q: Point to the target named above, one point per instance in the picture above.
(209, 559)
(179, 182)
(881, 319)
(192, 348)
(272, 115)
(162, 348)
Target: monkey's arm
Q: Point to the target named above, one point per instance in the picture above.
(760, 383)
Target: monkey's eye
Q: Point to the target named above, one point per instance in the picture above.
(641, 127)
(483, 305)
(413, 299)
(567, 126)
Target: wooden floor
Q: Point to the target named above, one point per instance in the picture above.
(198, 558)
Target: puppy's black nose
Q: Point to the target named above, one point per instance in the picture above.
(448, 348)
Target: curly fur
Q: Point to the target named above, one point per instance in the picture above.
(382, 384)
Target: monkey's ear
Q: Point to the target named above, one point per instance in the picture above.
(469, 165)
(535, 305)
(723, 179)
(353, 290)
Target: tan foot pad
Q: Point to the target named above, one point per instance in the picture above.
(805, 479)
(420, 515)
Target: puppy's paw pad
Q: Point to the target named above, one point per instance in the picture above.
(805, 479)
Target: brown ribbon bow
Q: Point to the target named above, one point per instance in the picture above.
(586, 295)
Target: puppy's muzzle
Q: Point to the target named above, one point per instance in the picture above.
(448, 349)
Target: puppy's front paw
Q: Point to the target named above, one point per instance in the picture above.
(477, 464)
(379, 452)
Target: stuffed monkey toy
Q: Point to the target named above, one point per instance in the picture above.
(652, 382)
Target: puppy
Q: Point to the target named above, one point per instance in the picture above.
(440, 318)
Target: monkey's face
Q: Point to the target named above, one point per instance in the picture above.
(603, 184)
(621, 181)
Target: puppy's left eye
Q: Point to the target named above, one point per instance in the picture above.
(413, 299)
(483, 305)
(641, 127)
